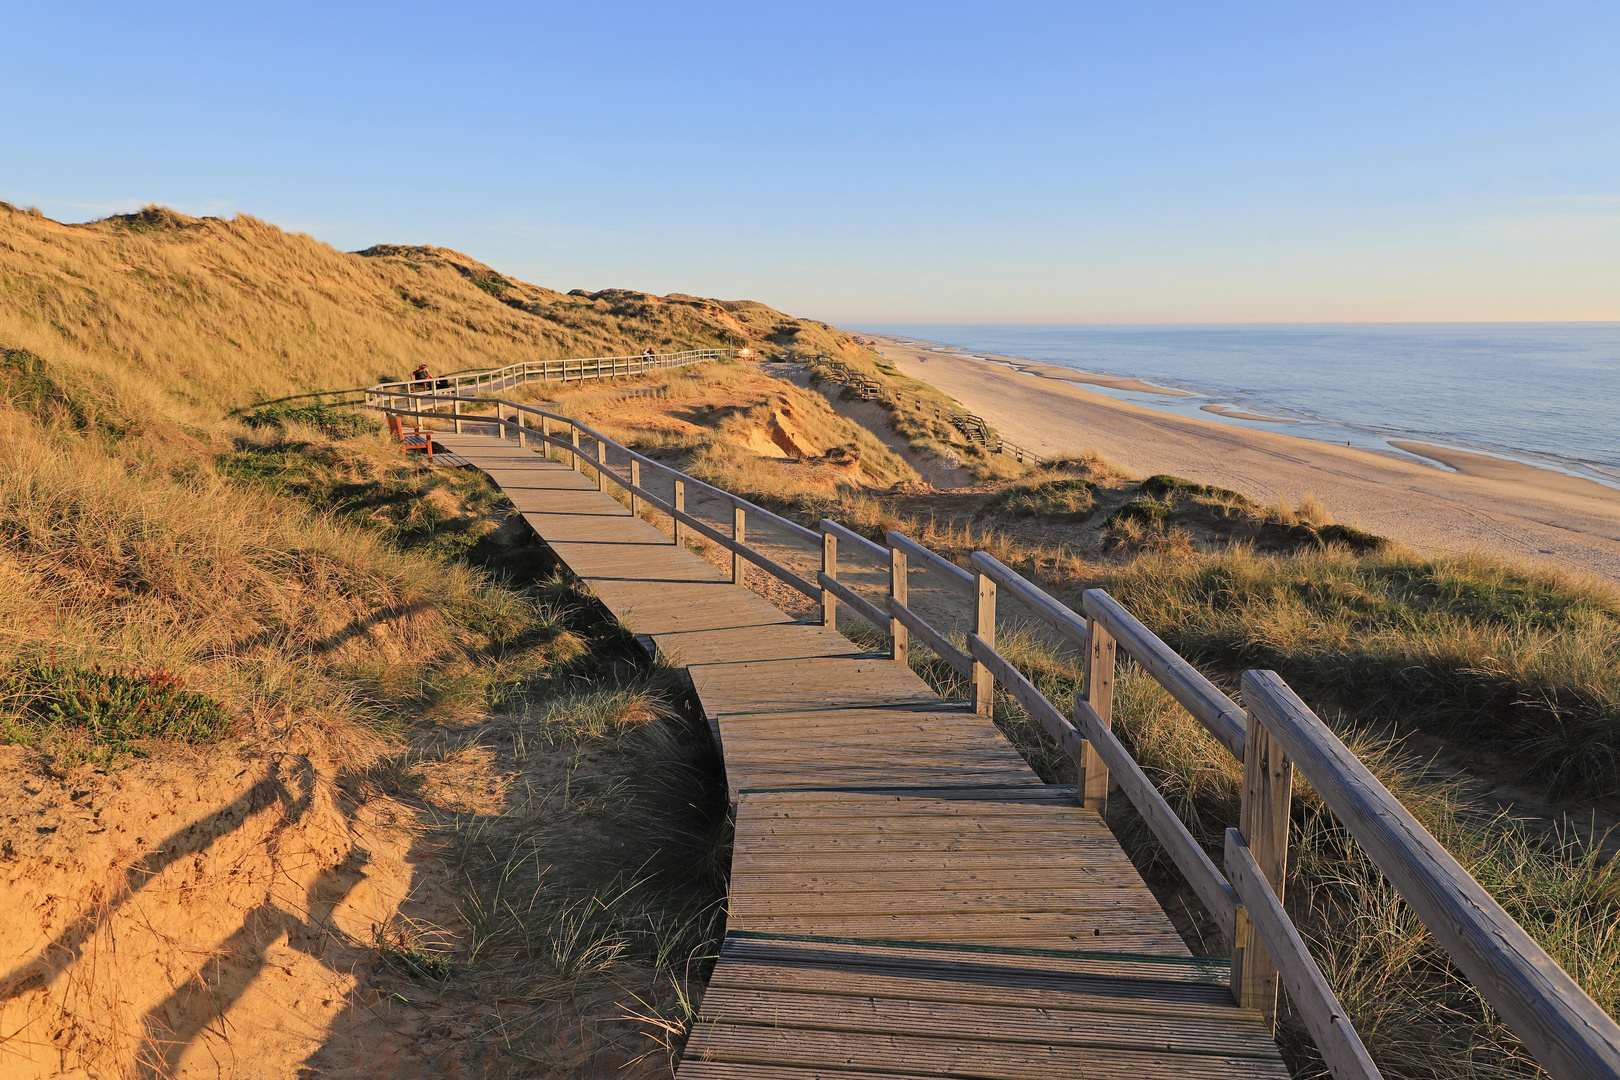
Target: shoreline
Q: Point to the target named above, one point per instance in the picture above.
(1371, 439)
(1492, 504)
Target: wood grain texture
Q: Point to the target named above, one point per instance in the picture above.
(1268, 785)
(1569, 1034)
(1054, 614)
(1101, 664)
(907, 899)
(1309, 990)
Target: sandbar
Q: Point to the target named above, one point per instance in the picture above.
(1227, 410)
(1499, 507)
(1495, 468)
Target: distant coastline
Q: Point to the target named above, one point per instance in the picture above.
(1419, 493)
(1361, 387)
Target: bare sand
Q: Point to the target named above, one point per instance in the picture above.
(1492, 505)
(1048, 371)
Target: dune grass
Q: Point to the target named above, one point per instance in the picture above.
(1525, 661)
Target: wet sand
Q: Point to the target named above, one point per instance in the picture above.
(1497, 506)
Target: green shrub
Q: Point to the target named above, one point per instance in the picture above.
(336, 421)
(111, 711)
(1166, 487)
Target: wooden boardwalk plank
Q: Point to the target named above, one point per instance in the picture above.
(907, 899)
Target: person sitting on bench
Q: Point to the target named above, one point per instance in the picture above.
(423, 377)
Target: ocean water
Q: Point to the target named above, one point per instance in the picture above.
(1543, 393)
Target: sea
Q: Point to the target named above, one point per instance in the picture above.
(1546, 394)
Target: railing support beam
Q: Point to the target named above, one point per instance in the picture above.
(899, 636)
(1268, 785)
(1099, 694)
(984, 625)
(829, 566)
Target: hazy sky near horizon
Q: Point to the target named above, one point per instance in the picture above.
(873, 162)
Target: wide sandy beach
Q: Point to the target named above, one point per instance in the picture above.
(1488, 504)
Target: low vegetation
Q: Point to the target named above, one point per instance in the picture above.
(275, 606)
(737, 427)
(88, 715)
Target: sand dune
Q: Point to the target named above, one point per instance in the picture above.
(1488, 504)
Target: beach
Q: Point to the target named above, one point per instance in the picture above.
(1487, 504)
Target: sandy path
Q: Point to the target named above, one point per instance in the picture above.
(1498, 506)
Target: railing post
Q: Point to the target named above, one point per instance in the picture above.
(601, 461)
(899, 636)
(984, 625)
(680, 508)
(545, 433)
(829, 566)
(573, 455)
(456, 408)
(1099, 692)
(738, 528)
(635, 482)
(518, 416)
(1268, 785)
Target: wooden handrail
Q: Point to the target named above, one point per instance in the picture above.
(1052, 721)
(1568, 1033)
(931, 558)
(522, 368)
(1054, 614)
(958, 660)
(1217, 712)
(1195, 865)
(1313, 997)
(876, 551)
(857, 603)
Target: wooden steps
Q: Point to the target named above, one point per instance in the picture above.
(907, 898)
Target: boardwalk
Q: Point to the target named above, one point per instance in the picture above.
(907, 898)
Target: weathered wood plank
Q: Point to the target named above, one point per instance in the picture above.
(1569, 1034)
(1309, 990)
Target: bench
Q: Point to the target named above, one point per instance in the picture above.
(411, 437)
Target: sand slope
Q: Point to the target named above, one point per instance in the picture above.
(1498, 506)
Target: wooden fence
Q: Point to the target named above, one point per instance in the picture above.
(454, 390)
(1272, 734)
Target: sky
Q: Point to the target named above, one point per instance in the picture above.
(870, 163)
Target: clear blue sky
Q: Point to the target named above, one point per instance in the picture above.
(874, 162)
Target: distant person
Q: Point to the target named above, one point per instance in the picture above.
(649, 354)
(423, 378)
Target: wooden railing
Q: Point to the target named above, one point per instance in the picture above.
(1567, 1032)
(454, 389)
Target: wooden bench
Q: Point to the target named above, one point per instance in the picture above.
(411, 437)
